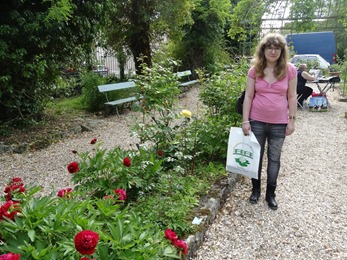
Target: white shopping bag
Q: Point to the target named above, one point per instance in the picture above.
(243, 153)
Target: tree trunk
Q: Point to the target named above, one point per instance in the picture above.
(140, 40)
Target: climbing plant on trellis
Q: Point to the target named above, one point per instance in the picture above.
(252, 18)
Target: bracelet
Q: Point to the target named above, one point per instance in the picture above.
(245, 122)
(292, 117)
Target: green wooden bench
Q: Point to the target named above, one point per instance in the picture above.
(107, 88)
(186, 75)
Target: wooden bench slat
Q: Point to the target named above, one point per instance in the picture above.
(184, 73)
(116, 86)
(188, 83)
(122, 101)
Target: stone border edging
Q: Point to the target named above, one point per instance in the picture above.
(210, 204)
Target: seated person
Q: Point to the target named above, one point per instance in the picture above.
(303, 77)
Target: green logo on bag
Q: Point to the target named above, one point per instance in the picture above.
(245, 151)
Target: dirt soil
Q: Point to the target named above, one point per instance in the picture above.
(48, 131)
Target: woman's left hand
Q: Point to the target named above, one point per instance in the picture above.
(290, 127)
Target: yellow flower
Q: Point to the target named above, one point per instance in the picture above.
(186, 113)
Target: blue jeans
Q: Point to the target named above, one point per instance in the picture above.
(275, 135)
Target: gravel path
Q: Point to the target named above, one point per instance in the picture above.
(310, 222)
(48, 167)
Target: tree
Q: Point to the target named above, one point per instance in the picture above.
(36, 39)
(246, 23)
(203, 43)
(136, 25)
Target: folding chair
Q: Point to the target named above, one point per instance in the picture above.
(297, 100)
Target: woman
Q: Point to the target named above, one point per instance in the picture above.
(302, 89)
(269, 108)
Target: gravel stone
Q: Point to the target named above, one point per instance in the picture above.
(310, 222)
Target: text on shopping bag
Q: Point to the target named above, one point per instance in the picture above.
(243, 153)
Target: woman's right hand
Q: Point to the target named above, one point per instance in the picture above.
(246, 127)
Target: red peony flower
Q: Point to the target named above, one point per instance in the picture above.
(171, 235)
(15, 185)
(160, 153)
(73, 167)
(86, 241)
(8, 196)
(126, 162)
(17, 180)
(121, 193)
(10, 256)
(64, 192)
(181, 244)
(93, 141)
(9, 209)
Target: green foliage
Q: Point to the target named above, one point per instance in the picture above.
(159, 86)
(246, 20)
(102, 171)
(36, 41)
(304, 13)
(45, 229)
(176, 198)
(65, 106)
(202, 45)
(92, 99)
(219, 93)
(161, 126)
(66, 87)
(133, 25)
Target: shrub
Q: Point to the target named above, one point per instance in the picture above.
(91, 97)
(101, 171)
(219, 93)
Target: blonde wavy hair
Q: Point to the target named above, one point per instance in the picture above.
(278, 41)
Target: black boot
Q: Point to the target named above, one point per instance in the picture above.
(255, 191)
(270, 197)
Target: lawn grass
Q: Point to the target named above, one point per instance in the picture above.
(72, 106)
